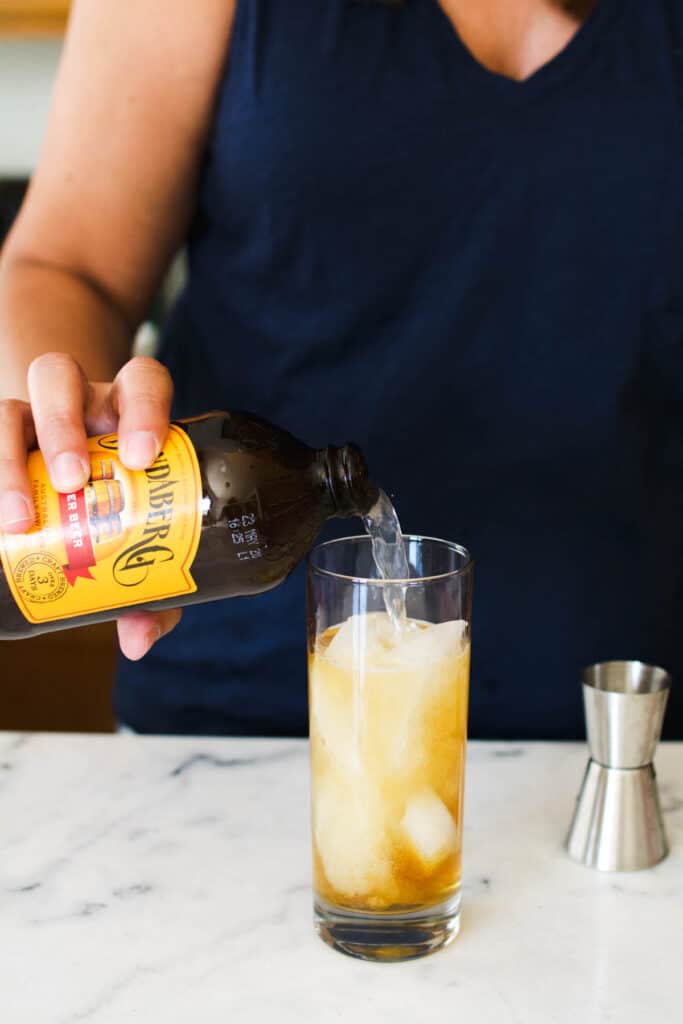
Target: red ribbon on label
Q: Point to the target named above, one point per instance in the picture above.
(79, 549)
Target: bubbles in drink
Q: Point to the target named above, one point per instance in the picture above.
(389, 552)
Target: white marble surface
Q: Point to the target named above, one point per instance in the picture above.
(167, 880)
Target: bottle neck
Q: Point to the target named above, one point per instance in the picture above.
(349, 488)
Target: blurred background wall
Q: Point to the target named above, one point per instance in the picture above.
(27, 69)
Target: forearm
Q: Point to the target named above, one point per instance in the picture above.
(46, 309)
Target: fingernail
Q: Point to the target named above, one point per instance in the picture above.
(151, 637)
(140, 449)
(15, 508)
(69, 471)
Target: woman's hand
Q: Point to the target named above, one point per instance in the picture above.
(105, 214)
(64, 409)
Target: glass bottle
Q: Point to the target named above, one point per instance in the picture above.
(228, 509)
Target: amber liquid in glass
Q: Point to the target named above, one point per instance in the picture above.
(388, 734)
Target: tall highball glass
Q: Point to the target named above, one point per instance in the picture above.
(388, 726)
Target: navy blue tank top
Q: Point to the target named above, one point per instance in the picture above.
(479, 281)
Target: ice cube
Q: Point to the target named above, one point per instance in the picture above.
(333, 715)
(429, 656)
(362, 639)
(429, 829)
(371, 640)
(352, 838)
(374, 693)
(432, 642)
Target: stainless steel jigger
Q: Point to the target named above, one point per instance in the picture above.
(618, 823)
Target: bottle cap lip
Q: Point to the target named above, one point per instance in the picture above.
(348, 480)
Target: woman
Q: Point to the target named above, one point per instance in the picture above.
(451, 230)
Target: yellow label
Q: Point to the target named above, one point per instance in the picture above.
(126, 538)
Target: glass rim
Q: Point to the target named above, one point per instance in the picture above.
(375, 581)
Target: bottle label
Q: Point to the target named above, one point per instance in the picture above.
(126, 538)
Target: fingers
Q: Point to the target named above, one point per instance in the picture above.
(58, 391)
(139, 631)
(142, 395)
(16, 434)
(63, 405)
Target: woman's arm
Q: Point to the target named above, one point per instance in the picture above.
(108, 205)
(111, 197)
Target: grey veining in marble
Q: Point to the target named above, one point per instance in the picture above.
(168, 880)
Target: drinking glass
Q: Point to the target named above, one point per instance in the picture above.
(388, 726)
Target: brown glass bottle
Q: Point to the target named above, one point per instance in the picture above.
(265, 497)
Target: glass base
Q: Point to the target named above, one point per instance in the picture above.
(388, 937)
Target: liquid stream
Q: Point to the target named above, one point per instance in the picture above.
(389, 551)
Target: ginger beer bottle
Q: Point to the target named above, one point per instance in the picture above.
(228, 508)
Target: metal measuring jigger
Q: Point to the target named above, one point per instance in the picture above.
(617, 824)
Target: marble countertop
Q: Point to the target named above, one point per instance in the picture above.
(168, 880)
